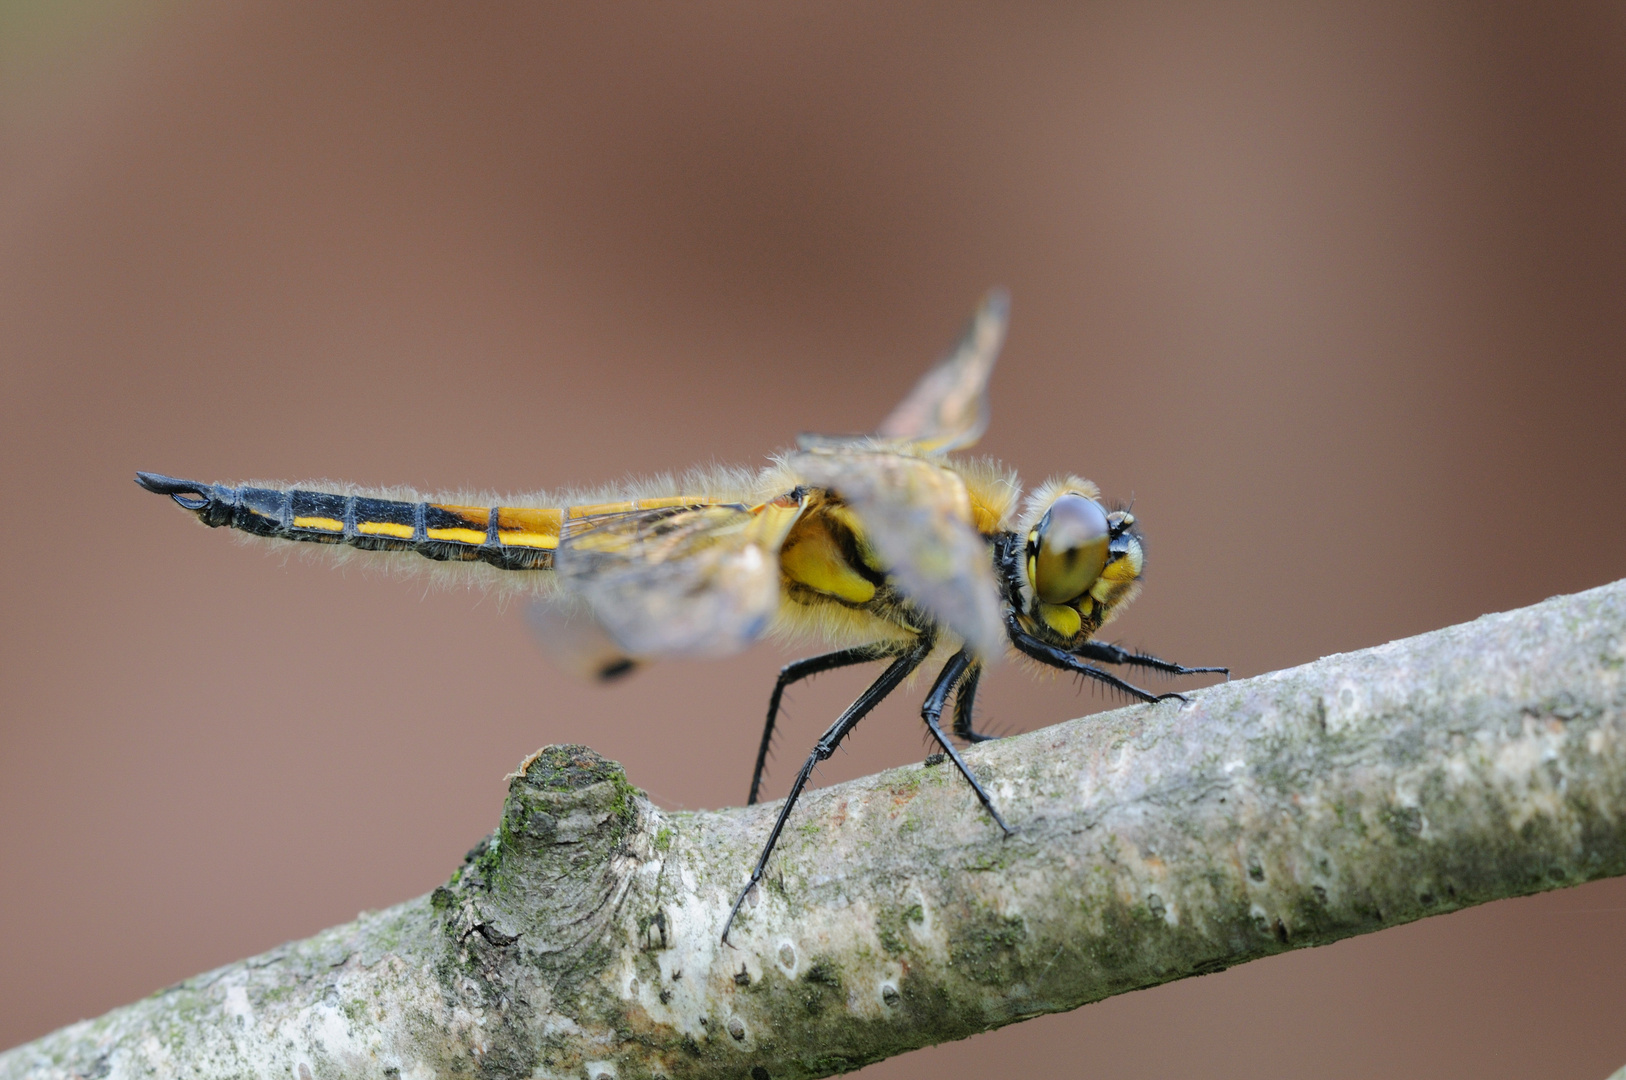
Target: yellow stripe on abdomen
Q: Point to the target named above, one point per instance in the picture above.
(384, 528)
(518, 527)
(456, 524)
(456, 536)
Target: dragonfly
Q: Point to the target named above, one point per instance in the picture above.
(890, 547)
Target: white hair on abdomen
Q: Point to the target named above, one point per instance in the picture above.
(726, 483)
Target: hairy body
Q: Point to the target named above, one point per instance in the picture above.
(882, 545)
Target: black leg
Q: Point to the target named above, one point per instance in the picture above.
(965, 696)
(794, 673)
(932, 712)
(895, 673)
(1114, 654)
(1066, 661)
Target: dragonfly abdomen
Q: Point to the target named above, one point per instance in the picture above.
(510, 538)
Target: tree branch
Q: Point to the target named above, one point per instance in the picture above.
(581, 939)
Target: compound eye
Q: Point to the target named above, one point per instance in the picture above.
(1072, 539)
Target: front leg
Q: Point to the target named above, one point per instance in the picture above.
(1066, 661)
(1116, 654)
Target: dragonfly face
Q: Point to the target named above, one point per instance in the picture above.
(880, 544)
(1081, 566)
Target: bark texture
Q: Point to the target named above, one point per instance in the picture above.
(581, 938)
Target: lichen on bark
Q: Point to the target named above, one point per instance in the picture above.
(581, 939)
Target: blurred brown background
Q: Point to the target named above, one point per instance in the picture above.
(1333, 291)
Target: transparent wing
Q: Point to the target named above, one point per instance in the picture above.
(678, 581)
(576, 640)
(917, 515)
(948, 408)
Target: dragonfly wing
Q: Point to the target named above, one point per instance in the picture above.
(948, 408)
(678, 581)
(575, 639)
(917, 516)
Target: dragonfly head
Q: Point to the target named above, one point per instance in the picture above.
(1083, 562)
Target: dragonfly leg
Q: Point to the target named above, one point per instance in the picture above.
(1116, 654)
(1066, 661)
(965, 696)
(895, 673)
(795, 673)
(932, 712)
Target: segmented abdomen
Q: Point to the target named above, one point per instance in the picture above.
(512, 538)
